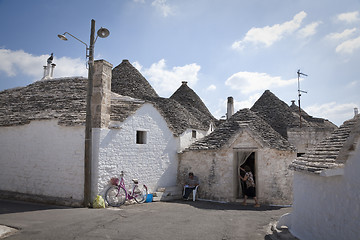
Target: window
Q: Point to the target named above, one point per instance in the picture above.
(140, 137)
(193, 134)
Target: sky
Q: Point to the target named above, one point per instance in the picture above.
(222, 48)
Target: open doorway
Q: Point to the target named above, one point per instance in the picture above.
(244, 159)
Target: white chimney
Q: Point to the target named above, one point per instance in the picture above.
(356, 111)
(230, 107)
(49, 69)
(52, 70)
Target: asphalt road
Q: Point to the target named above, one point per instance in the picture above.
(156, 220)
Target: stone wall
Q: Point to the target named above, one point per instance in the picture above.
(217, 170)
(154, 163)
(307, 137)
(43, 158)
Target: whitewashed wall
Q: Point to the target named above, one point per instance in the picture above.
(186, 138)
(327, 207)
(154, 163)
(43, 158)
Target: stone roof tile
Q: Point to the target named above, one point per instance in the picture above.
(281, 116)
(326, 154)
(128, 81)
(243, 119)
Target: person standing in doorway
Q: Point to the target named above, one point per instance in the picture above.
(190, 185)
(250, 185)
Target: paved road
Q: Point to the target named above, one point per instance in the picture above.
(156, 220)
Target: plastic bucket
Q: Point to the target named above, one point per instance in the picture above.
(149, 198)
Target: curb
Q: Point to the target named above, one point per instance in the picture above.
(6, 231)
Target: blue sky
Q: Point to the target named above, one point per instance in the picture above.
(220, 47)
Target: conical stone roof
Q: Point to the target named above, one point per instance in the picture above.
(193, 103)
(242, 119)
(128, 81)
(281, 116)
(332, 152)
(275, 112)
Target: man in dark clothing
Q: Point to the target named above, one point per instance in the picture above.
(190, 185)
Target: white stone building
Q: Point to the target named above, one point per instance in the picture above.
(42, 131)
(327, 187)
(244, 139)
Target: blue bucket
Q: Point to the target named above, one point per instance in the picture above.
(149, 198)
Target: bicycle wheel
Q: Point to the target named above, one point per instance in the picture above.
(140, 194)
(115, 196)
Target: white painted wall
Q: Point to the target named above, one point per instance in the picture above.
(328, 207)
(43, 158)
(186, 138)
(154, 163)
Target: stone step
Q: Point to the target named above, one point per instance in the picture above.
(167, 194)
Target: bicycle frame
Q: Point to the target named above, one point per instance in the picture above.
(127, 194)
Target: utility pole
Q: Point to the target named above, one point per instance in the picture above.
(88, 127)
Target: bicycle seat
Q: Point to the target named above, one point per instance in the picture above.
(136, 181)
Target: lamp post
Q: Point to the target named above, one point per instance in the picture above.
(103, 33)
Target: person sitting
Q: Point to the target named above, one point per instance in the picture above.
(190, 185)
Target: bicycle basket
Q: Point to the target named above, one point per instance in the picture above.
(114, 181)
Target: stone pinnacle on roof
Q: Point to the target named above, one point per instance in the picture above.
(128, 81)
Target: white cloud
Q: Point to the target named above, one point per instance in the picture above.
(166, 81)
(13, 63)
(212, 87)
(337, 113)
(247, 103)
(309, 29)
(268, 35)
(343, 35)
(163, 7)
(349, 46)
(349, 17)
(248, 82)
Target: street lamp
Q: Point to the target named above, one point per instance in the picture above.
(103, 33)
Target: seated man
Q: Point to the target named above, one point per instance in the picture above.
(190, 185)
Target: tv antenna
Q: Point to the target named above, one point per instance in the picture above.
(300, 91)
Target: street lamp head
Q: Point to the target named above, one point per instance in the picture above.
(103, 32)
(62, 37)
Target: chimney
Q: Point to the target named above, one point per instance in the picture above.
(49, 69)
(101, 99)
(52, 70)
(230, 107)
(356, 111)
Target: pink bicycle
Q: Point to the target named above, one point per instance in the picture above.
(117, 194)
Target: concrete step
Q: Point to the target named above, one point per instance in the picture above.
(167, 193)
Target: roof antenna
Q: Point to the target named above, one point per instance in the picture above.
(300, 91)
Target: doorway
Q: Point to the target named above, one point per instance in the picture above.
(243, 159)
